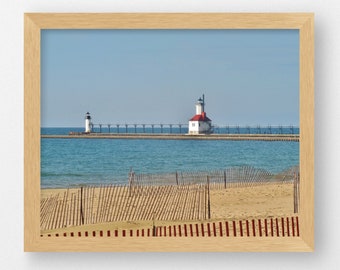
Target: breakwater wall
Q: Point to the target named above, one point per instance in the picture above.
(163, 136)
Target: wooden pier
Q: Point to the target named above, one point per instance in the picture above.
(164, 136)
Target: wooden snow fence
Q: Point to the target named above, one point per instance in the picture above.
(239, 176)
(268, 227)
(92, 205)
(170, 197)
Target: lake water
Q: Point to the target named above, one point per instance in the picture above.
(72, 162)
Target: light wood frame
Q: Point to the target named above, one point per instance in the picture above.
(35, 22)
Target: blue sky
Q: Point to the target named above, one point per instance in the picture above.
(249, 77)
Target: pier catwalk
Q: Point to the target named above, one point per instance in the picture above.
(162, 136)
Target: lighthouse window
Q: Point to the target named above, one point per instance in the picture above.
(193, 124)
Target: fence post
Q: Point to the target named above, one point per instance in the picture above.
(225, 179)
(208, 182)
(271, 226)
(241, 228)
(202, 229)
(265, 227)
(298, 189)
(253, 225)
(288, 234)
(260, 227)
(296, 195)
(129, 176)
(81, 206)
(177, 178)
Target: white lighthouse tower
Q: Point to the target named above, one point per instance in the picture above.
(200, 123)
(200, 106)
(88, 123)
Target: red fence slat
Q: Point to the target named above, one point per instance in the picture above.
(283, 226)
(227, 228)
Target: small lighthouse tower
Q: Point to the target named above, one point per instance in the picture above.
(87, 123)
(200, 123)
(200, 106)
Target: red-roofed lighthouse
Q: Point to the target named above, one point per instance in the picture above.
(200, 123)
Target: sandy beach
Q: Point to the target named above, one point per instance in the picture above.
(238, 202)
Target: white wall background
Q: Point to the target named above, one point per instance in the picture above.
(327, 120)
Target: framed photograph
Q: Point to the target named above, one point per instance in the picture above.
(169, 132)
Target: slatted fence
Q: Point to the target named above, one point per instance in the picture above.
(270, 227)
(179, 196)
(219, 179)
(91, 205)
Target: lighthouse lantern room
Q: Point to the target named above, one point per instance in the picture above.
(88, 123)
(200, 123)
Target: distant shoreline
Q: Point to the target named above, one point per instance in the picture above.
(166, 136)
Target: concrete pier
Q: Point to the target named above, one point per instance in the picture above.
(163, 136)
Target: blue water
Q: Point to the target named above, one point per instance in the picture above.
(71, 162)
